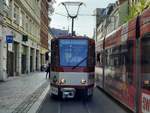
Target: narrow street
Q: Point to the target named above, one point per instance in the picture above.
(100, 103)
(74, 56)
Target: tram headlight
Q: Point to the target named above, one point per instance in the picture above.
(62, 81)
(146, 82)
(83, 81)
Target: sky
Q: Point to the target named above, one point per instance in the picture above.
(83, 25)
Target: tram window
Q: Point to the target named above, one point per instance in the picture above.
(54, 53)
(129, 61)
(91, 56)
(116, 61)
(116, 56)
(111, 61)
(73, 52)
(98, 59)
(101, 60)
(129, 58)
(145, 62)
(106, 58)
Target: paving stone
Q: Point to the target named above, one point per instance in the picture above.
(20, 93)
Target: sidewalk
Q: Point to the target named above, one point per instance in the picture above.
(19, 94)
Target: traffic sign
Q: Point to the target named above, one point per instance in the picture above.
(9, 38)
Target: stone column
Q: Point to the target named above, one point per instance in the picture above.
(3, 54)
(19, 56)
(34, 59)
(38, 60)
(28, 59)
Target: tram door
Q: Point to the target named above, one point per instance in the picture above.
(145, 74)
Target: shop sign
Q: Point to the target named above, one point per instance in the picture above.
(145, 103)
(10, 47)
(9, 38)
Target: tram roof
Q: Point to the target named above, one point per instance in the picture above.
(72, 37)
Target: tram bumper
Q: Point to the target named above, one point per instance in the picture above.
(71, 91)
(68, 92)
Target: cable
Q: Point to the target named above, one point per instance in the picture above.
(61, 14)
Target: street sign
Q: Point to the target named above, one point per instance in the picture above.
(10, 47)
(9, 38)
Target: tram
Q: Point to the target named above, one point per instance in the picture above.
(72, 66)
(123, 63)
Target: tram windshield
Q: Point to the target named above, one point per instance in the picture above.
(73, 51)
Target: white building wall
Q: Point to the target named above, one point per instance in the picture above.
(3, 55)
(3, 52)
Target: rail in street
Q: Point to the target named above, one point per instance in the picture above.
(100, 103)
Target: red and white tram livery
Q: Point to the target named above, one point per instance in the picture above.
(123, 63)
(72, 66)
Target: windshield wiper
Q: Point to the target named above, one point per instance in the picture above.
(79, 63)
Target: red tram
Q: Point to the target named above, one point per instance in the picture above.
(123, 63)
(72, 66)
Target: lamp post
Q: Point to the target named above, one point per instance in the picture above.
(78, 5)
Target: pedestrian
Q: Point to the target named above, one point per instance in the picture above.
(48, 70)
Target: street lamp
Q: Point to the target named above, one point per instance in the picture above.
(75, 4)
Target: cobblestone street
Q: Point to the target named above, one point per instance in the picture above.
(23, 90)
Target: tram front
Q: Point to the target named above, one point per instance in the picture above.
(72, 67)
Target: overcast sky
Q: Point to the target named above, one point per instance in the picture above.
(84, 25)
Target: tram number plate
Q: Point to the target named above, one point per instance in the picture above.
(145, 103)
(54, 90)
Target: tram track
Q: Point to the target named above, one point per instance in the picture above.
(100, 103)
(59, 107)
(65, 106)
(87, 107)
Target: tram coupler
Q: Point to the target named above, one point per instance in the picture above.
(68, 93)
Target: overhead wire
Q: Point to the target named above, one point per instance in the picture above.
(78, 14)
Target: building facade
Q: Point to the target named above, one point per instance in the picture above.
(44, 21)
(21, 37)
(58, 32)
(114, 16)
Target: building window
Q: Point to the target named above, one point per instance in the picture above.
(16, 14)
(26, 25)
(10, 9)
(21, 22)
(23, 19)
(30, 26)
